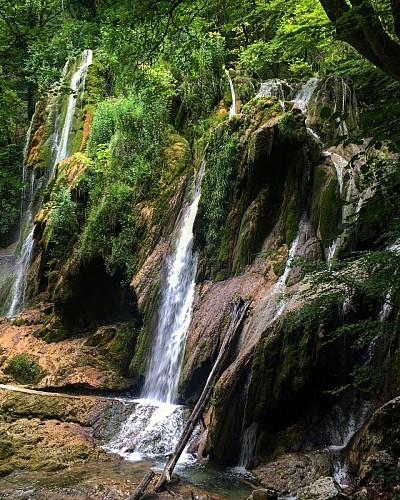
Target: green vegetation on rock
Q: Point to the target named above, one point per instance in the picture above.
(24, 369)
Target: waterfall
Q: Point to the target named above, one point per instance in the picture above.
(249, 441)
(303, 94)
(339, 163)
(232, 109)
(78, 78)
(387, 306)
(273, 87)
(155, 426)
(174, 314)
(280, 285)
(18, 290)
(292, 252)
(337, 92)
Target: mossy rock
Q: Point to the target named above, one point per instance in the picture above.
(138, 364)
(249, 231)
(325, 204)
(53, 330)
(24, 369)
(6, 449)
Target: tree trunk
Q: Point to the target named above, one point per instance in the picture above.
(142, 486)
(361, 27)
(237, 318)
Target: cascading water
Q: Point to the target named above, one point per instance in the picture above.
(162, 375)
(249, 441)
(336, 93)
(155, 426)
(303, 95)
(18, 290)
(387, 306)
(275, 88)
(281, 283)
(77, 79)
(232, 109)
(339, 163)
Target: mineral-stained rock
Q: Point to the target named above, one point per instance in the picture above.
(377, 446)
(324, 488)
(71, 362)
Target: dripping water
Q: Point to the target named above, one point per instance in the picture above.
(249, 441)
(281, 283)
(339, 164)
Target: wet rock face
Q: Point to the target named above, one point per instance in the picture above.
(263, 494)
(375, 450)
(291, 473)
(87, 294)
(336, 93)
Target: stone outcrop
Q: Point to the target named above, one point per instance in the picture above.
(42, 431)
(99, 361)
(324, 488)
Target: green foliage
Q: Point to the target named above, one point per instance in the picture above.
(387, 473)
(24, 369)
(10, 186)
(288, 127)
(197, 67)
(63, 222)
(222, 156)
(103, 124)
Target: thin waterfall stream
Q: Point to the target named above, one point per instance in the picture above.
(18, 290)
(232, 109)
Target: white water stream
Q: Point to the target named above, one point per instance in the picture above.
(18, 290)
(232, 109)
(155, 427)
(273, 87)
(340, 164)
(303, 95)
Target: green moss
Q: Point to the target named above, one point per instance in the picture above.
(6, 449)
(53, 330)
(325, 202)
(291, 126)
(24, 369)
(249, 239)
(245, 88)
(138, 364)
(281, 366)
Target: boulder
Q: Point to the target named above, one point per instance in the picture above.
(263, 494)
(325, 488)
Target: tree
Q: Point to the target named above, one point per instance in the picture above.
(372, 28)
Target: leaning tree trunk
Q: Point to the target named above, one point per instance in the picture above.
(198, 410)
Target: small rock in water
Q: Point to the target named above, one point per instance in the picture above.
(263, 494)
(325, 488)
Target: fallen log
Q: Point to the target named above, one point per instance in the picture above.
(142, 486)
(237, 318)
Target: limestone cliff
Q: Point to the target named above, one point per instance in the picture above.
(270, 193)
